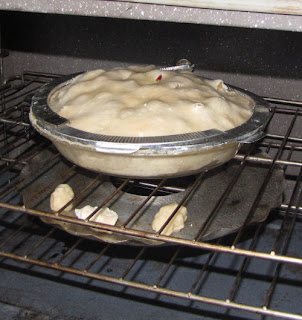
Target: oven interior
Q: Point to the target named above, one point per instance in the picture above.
(51, 268)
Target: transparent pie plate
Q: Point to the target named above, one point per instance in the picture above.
(144, 157)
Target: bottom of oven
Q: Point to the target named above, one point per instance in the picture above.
(30, 291)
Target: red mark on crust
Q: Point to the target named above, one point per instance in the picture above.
(159, 78)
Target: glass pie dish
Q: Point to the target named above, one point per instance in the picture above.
(145, 157)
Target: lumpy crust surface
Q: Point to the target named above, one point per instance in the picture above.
(146, 101)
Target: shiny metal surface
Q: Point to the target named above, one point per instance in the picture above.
(268, 18)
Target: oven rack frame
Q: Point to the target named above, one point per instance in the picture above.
(16, 135)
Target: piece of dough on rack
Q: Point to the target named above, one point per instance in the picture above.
(176, 224)
(104, 215)
(60, 197)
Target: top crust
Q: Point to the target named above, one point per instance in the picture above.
(146, 101)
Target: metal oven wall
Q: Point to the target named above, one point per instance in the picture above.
(266, 62)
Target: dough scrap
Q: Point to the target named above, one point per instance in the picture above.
(60, 197)
(175, 225)
(105, 215)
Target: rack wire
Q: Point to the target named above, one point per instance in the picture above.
(264, 258)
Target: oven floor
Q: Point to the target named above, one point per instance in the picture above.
(26, 295)
(32, 292)
(10, 312)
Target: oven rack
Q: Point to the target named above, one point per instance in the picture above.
(272, 245)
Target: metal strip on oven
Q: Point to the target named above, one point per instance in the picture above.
(264, 258)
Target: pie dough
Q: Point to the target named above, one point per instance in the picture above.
(146, 101)
(175, 225)
(105, 215)
(60, 197)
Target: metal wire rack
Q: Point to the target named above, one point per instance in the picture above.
(218, 276)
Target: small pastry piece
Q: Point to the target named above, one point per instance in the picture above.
(175, 225)
(105, 215)
(60, 197)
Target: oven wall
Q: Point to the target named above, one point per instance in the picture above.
(267, 62)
